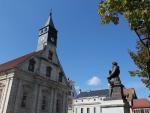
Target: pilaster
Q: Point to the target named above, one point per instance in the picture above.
(54, 100)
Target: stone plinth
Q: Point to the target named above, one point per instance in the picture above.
(115, 106)
(116, 91)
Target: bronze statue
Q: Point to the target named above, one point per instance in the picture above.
(113, 78)
(114, 74)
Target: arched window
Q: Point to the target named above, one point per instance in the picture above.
(31, 65)
(50, 55)
(48, 71)
(60, 79)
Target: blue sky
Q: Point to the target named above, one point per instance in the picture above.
(85, 47)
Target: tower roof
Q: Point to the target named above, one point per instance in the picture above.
(50, 21)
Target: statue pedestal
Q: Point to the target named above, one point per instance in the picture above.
(116, 103)
(116, 91)
(115, 106)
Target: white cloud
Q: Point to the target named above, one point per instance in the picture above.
(94, 81)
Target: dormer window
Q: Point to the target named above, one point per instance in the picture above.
(31, 65)
(60, 79)
(50, 55)
(48, 71)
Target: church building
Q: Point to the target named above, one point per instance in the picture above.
(35, 82)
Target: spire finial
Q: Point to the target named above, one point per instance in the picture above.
(50, 20)
(51, 12)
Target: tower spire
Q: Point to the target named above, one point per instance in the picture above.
(50, 20)
(47, 34)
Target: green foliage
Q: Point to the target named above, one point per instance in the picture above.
(140, 58)
(137, 13)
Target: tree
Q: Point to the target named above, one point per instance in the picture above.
(140, 59)
(136, 12)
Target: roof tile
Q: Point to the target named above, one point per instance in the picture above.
(13, 63)
(141, 103)
(104, 92)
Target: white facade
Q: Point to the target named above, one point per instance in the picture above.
(85, 103)
(98, 104)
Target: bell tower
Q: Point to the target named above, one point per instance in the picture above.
(47, 34)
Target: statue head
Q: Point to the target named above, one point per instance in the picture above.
(115, 63)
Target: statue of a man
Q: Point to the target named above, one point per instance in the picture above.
(114, 74)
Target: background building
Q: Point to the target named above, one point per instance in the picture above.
(95, 101)
(36, 82)
(141, 106)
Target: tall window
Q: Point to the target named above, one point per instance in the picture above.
(31, 65)
(60, 79)
(81, 110)
(50, 55)
(88, 110)
(57, 106)
(94, 109)
(24, 100)
(43, 106)
(59, 103)
(48, 71)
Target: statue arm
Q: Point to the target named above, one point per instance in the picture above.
(113, 72)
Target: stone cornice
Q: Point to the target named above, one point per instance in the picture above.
(35, 78)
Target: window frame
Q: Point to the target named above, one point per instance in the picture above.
(60, 78)
(44, 103)
(50, 55)
(31, 66)
(137, 111)
(48, 71)
(82, 110)
(146, 110)
(24, 100)
(88, 110)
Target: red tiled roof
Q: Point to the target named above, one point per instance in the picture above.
(13, 63)
(141, 103)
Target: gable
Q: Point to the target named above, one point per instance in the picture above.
(44, 66)
(13, 63)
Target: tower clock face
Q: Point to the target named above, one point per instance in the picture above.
(42, 39)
